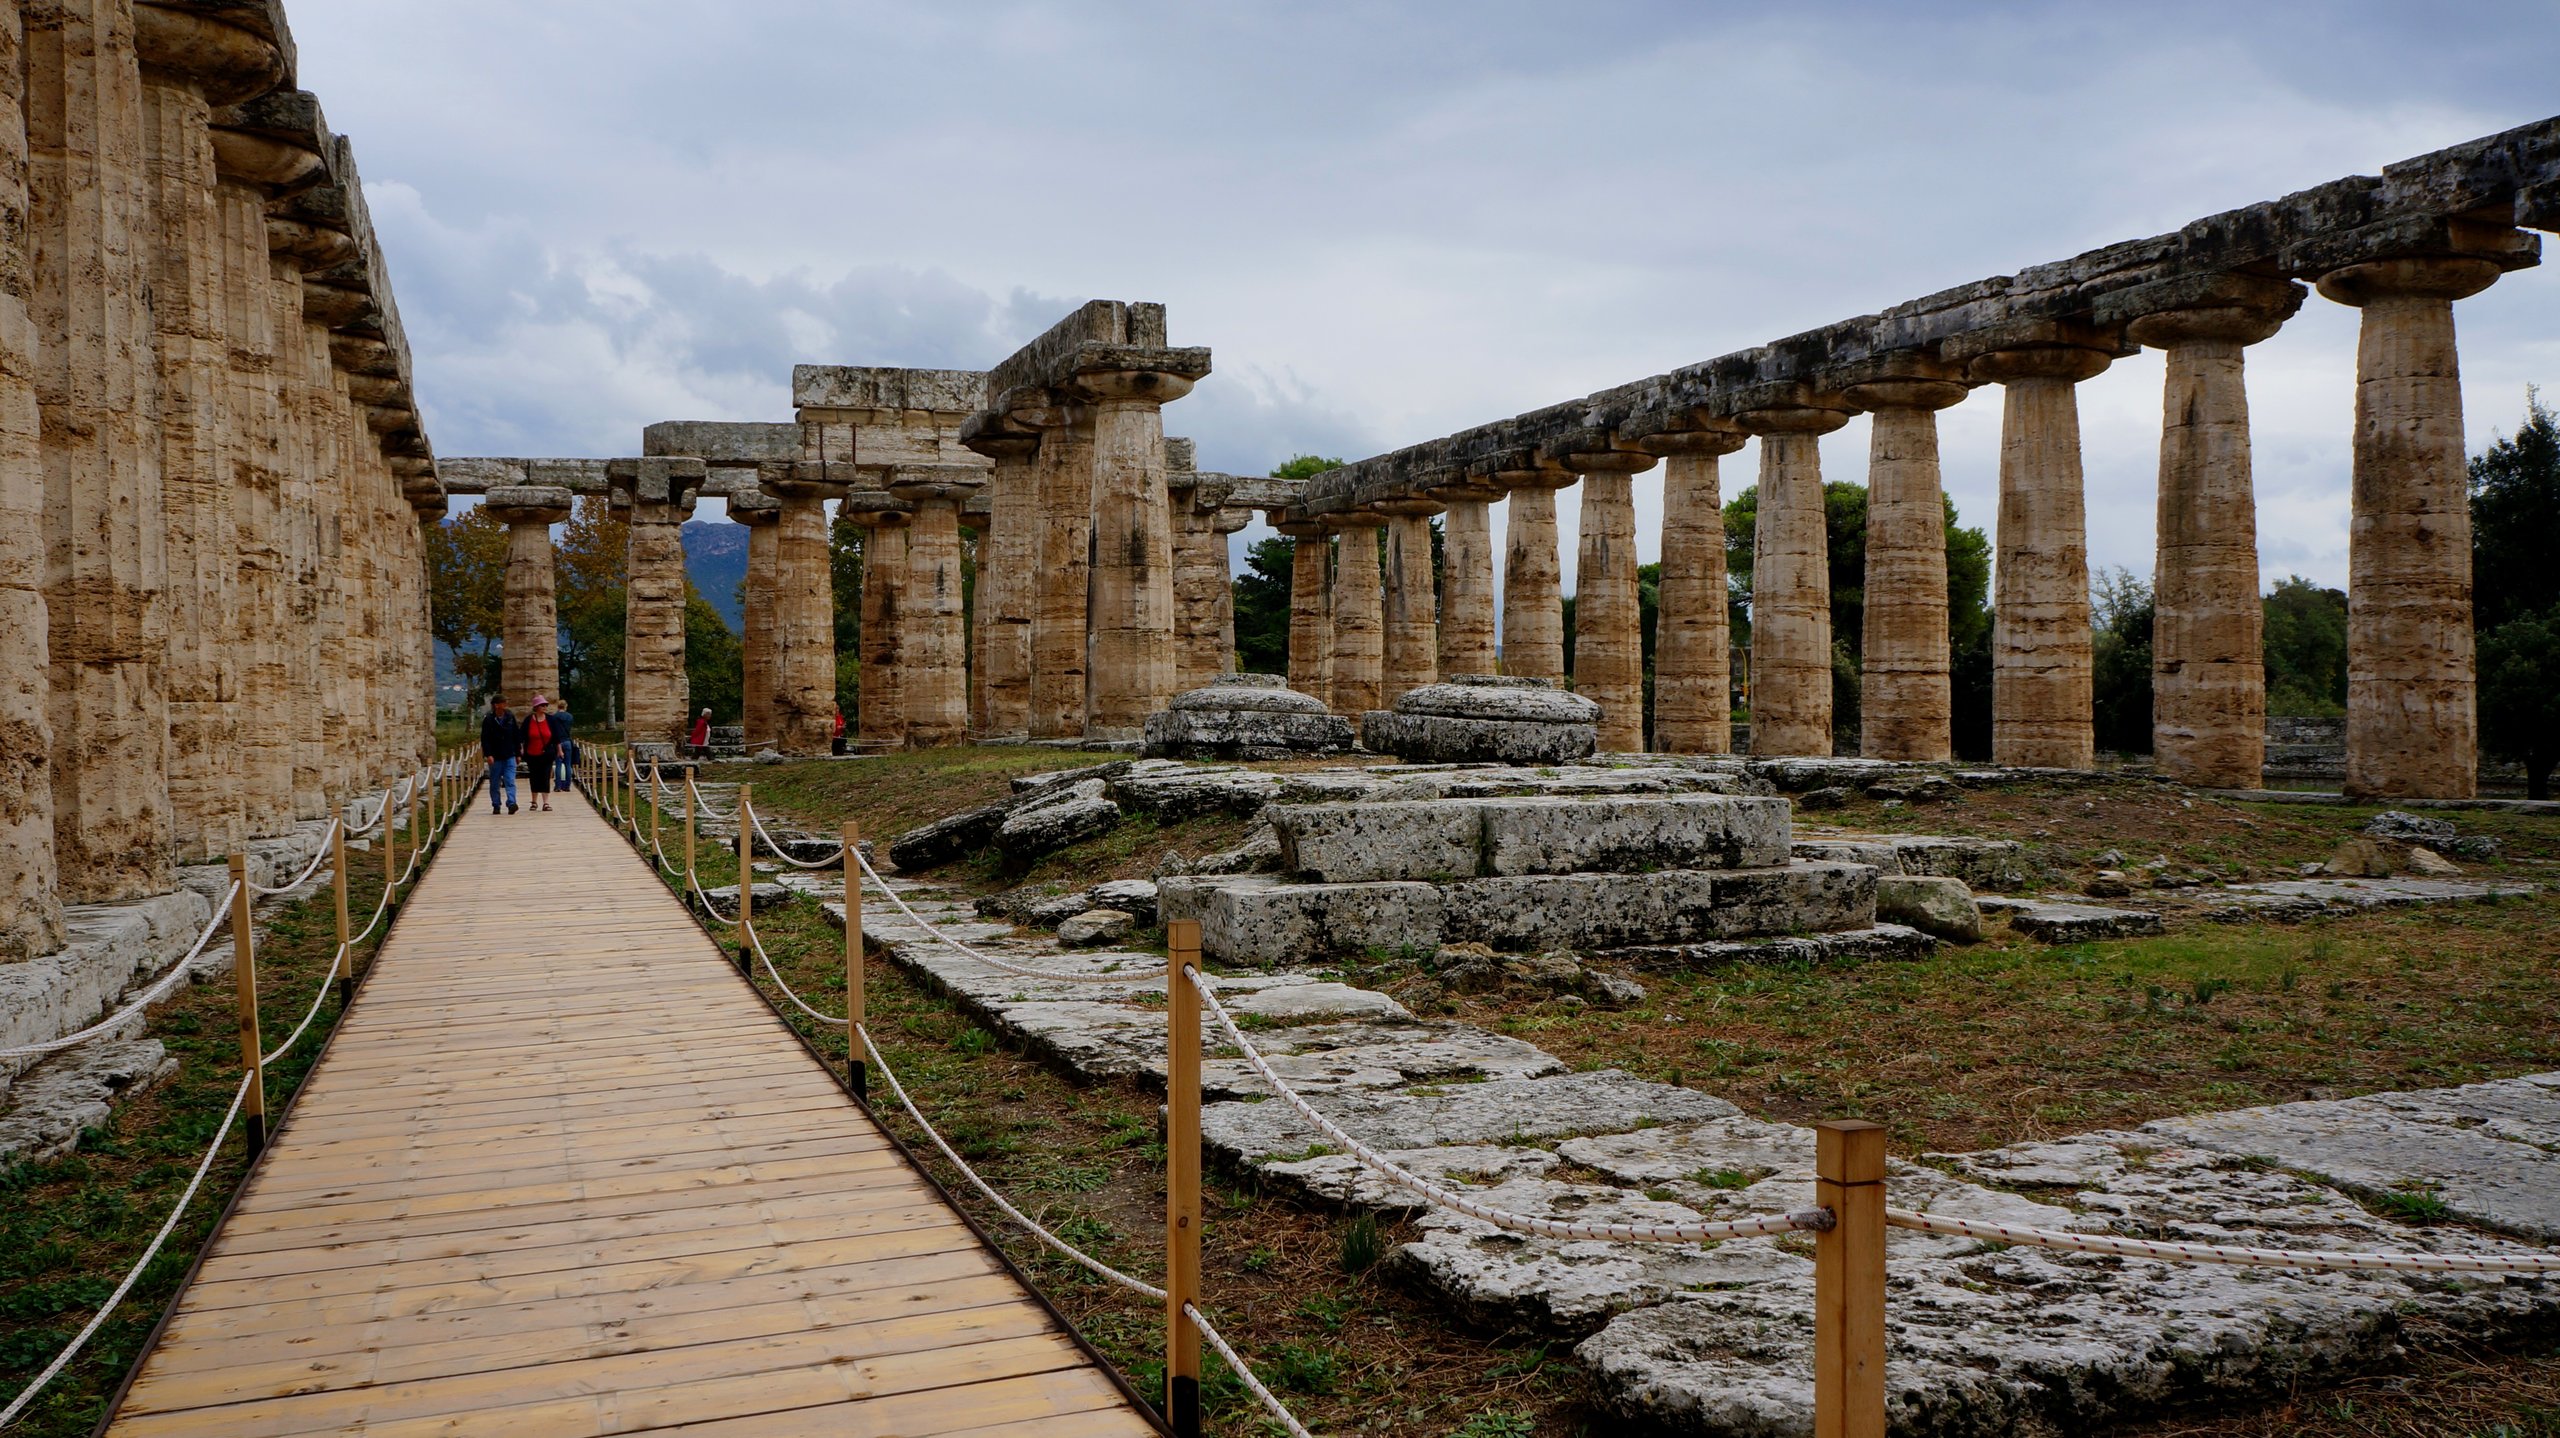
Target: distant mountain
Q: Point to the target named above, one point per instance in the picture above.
(715, 557)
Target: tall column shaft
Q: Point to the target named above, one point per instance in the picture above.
(1532, 584)
(931, 658)
(531, 629)
(1904, 702)
(1006, 556)
(1409, 606)
(2413, 727)
(98, 387)
(1466, 586)
(880, 705)
(1608, 633)
(1199, 577)
(1692, 644)
(255, 284)
(1790, 600)
(313, 451)
(656, 696)
(759, 652)
(1130, 666)
(30, 906)
(1063, 474)
(804, 627)
(1222, 524)
(1358, 640)
(1310, 610)
(2040, 655)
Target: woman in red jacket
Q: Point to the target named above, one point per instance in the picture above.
(537, 754)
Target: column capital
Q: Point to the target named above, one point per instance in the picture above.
(1342, 520)
(521, 504)
(1593, 449)
(754, 508)
(1228, 521)
(922, 484)
(1704, 441)
(2236, 307)
(1134, 386)
(2440, 277)
(1410, 507)
(2066, 349)
(1301, 528)
(657, 480)
(274, 140)
(226, 62)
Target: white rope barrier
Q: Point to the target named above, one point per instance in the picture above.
(2216, 1253)
(317, 1000)
(1018, 970)
(777, 851)
(158, 990)
(63, 1359)
(755, 942)
(695, 796)
(380, 808)
(1803, 1220)
(308, 870)
(1088, 1261)
(1271, 1404)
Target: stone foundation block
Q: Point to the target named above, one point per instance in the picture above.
(1443, 839)
(1429, 840)
(1258, 920)
(1450, 739)
(112, 948)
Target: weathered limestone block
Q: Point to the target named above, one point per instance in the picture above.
(1358, 624)
(1032, 831)
(1608, 637)
(655, 695)
(1943, 907)
(1245, 717)
(1253, 919)
(1410, 610)
(1172, 791)
(1130, 612)
(86, 246)
(1904, 698)
(44, 1114)
(1981, 863)
(1344, 1181)
(532, 629)
(1499, 1111)
(759, 652)
(1791, 584)
(1063, 481)
(1377, 1054)
(1094, 927)
(1532, 578)
(2055, 923)
(1478, 719)
(30, 903)
(1692, 659)
(2412, 708)
(933, 648)
(1310, 609)
(1467, 838)
(2041, 683)
(1466, 582)
(804, 619)
(954, 836)
(108, 949)
(1535, 913)
(2208, 685)
(880, 704)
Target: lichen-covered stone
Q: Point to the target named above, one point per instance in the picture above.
(955, 836)
(1446, 739)
(2057, 923)
(1259, 920)
(1095, 926)
(1181, 791)
(1463, 838)
(1943, 907)
(1499, 1111)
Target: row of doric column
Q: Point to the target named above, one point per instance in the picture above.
(212, 598)
(1360, 633)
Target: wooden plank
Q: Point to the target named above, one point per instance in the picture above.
(562, 1173)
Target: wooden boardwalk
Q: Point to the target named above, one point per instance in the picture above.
(562, 1174)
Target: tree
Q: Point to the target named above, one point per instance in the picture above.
(1262, 605)
(2306, 649)
(714, 665)
(2520, 695)
(2120, 661)
(1304, 466)
(2515, 521)
(467, 589)
(588, 563)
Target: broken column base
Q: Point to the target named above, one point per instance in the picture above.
(1483, 719)
(1248, 717)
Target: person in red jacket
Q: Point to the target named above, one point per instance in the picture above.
(537, 754)
(700, 739)
(839, 744)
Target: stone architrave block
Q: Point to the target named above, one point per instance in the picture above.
(1254, 919)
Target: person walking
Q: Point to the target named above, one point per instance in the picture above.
(501, 740)
(564, 750)
(700, 739)
(838, 746)
(539, 753)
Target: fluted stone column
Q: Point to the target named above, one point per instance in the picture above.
(758, 653)
(1222, 524)
(1130, 665)
(1905, 694)
(1692, 642)
(531, 632)
(189, 64)
(30, 906)
(1310, 607)
(1007, 582)
(656, 696)
(1358, 639)
(1532, 578)
(2041, 693)
(1063, 481)
(2208, 667)
(880, 705)
(1791, 583)
(2413, 726)
(804, 617)
(932, 657)
(1409, 605)
(1608, 625)
(105, 528)
(1467, 642)
(1199, 576)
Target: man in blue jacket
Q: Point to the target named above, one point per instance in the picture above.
(501, 739)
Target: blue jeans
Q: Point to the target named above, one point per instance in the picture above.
(502, 777)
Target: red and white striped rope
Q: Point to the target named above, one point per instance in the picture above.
(2218, 1253)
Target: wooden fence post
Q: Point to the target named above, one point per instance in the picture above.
(390, 842)
(244, 981)
(857, 1072)
(1848, 1281)
(1182, 1180)
(338, 881)
(746, 877)
(655, 803)
(689, 792)
(418, 818)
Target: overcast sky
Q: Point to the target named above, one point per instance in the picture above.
(1388, 222)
